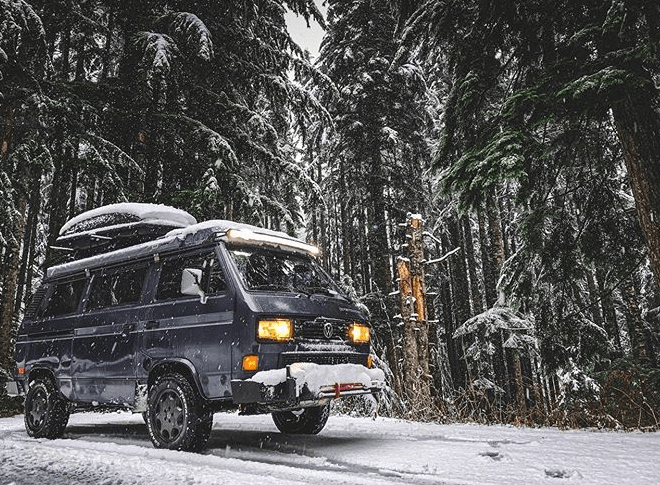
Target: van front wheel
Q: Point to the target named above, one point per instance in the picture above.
(302, 421)
(46, 410)
(177, 418)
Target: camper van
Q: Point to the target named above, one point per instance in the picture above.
(158, 314)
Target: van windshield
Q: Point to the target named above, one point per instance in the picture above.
(271, 270)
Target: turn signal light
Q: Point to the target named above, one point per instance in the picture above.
(21, 370)
(275, 330)
(370, 361)
(251, 362)
(359, 333)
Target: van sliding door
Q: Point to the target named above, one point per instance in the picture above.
(104, 342)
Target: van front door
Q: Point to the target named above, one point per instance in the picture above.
(105, 341)
(192, 329)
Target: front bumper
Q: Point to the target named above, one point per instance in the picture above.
(292, 390)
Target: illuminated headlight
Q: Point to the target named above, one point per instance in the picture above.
(275, 330)
(359, 333)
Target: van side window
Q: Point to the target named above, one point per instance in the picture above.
(65, 298)
(213, 278)
(120, 288)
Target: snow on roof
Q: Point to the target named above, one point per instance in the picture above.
(163, 241)
(143, 211)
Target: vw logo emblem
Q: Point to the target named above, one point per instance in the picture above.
(327, 330)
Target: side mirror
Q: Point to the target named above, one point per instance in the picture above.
(190, 283)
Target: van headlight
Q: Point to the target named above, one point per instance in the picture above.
(275, 330)
(358, 333)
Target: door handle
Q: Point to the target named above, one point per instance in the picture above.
(128, 328)
(150, 324)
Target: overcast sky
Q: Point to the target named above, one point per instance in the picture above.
(307, 38)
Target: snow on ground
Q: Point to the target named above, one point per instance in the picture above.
(114, 448)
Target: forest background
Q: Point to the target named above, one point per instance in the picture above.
(525, 134)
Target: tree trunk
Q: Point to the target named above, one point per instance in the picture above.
(107, 49)
(593, 298)
(28, 243)
(417, 261)
(520, 388)
(9, 284)
(609, 314)
(496, 238)
(407, 311)
(459, 298)
(378, 250)
(8, 133)
(638, 127)
(635, 324)
(475, 291)
(486, 263)
(496, 257)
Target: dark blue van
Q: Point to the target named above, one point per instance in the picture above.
(177, 320)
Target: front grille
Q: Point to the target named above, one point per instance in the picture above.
(315, 329)
(325, 358)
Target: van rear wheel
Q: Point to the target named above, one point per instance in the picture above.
(177, 418)
(302, 421)
(46, 410)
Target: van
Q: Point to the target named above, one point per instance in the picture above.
(155, 313)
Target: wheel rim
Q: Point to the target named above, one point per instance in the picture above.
(36, 411)
(169, 416)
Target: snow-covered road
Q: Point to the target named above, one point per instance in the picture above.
(115, 449)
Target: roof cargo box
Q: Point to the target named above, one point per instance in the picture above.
(118, 226)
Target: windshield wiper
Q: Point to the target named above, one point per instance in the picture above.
(322, 290)
(274, 288)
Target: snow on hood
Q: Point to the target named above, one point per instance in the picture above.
(316, 376)
(143, 211)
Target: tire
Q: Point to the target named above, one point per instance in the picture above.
(177, 418)
(302, 421)
(46, 410)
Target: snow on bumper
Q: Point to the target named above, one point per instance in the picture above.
(307, 382)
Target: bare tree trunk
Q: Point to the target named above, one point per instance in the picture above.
(407, 310)
(417, 260)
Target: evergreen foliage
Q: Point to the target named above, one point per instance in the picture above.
(526, 135)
